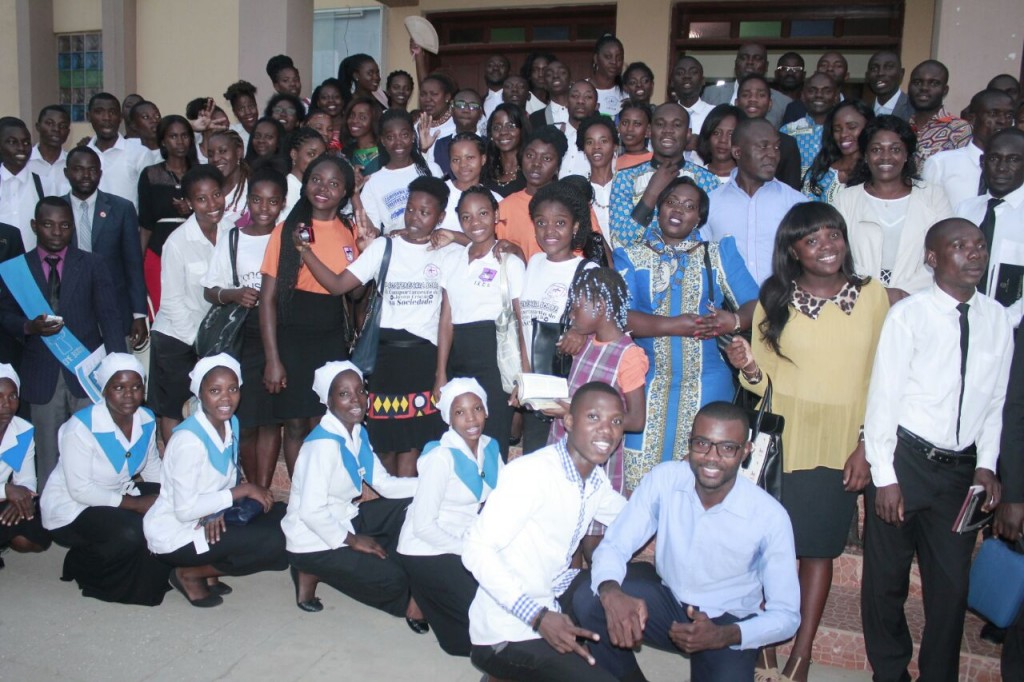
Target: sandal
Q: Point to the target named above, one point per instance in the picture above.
(769, 673)
(796, 666)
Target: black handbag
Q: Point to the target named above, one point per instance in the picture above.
(364, 353)
(763, 465)
(242, 512)
(544, 345)
(221, 329)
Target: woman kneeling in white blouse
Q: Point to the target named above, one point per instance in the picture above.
(333, 537)
(92, 504)
(207, 522)
(456, 475)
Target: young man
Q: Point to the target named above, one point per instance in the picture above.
(833, 64)
(755, 100)
(751, 58)
(819, 95)
(77, 291)
(789, 75)
(724, 545)
(582, 105)
(958, 171)
(635, 190)
(122, 159)
(495, 72)
(20, 188)
(521, 546)
(558, 81)
(53, 126)
(542, 156)
(687, 83)
(752, 204)
(937, 130)
(931, 430)
(883, 77)
(108, 226)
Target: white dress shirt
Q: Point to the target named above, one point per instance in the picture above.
(52, 173)
(190, 488)
(957, 171)
(1007, 247)
(321, 507)
(84, 476)
(185, 260)
(83, 216)
(444, 507)
(521, 545)
(123, 164)
(698, 112)
(888, 106)
(915, 382)
(25, 475)
(18, 199)
(492, 100)
(242, 133)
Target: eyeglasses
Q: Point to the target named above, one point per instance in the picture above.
(283, 111)
(504, 127)
(791, 69)
(726, 448)
(463, 104)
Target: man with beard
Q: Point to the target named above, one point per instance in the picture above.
(789, 75)
(495, 72)
(937, 130)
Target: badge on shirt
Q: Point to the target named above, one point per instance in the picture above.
(431, 271)
(488, 275)
(349, 253)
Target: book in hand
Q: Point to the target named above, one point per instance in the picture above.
(972, 516)
(541, 391)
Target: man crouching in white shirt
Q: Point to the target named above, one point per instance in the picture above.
(520, 548)
(724, 545)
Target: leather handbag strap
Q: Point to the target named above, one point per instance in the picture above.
(233, 251)
(385, 263)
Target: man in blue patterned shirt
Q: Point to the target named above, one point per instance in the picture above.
(818, 96)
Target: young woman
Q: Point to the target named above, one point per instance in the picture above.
(242, 97)
(456, 476)
(320, 121)
(597, 139)
(811, 311)
(888, 210)
(186, 257)
(607, 74)
(634, 129)
(840, 151)
(362, 149)
(191, 527)
(386, 192)
(360, 78)
(329, 98)
(288, 110)
(507, 128)
(145, 117)
(471, 302)
(267, 140)
(714, 146)
(333, 536)
(162, 204)
(301, 324)
(226, 151)
(284, 76)
(675, 319)
(304, 145)
(398, 89)
(241, 251)
(93, 504)
(467, 157)
(402, 417)
(638, 83)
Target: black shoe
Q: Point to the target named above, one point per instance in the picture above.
(313, 605)
(203, 603)
(220, 589)
(420, 627)
(992, 634)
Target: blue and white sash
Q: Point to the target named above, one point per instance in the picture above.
(219, 458)
(112, 448)
(360, 469)
(466, 469)
(14, 456)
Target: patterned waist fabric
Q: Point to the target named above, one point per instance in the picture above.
(401, 405)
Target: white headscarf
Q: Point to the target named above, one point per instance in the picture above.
(118, 362)
(7, 372)
(324, 377)
(206, 365)
(453, 389)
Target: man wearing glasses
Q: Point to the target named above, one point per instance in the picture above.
(723, 546)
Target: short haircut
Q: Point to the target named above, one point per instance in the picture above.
(435, 187)
(481, 145)
(82, 149)
(477, 190)
(630, 105)
(51, 107)
(549, 135)
(12, 122)
(937, 64)
(753, 77)
(277, 64)
(1013, 132)
(131, 112)
(271, 175)
(196, 174)
(593, 387)
(743, 127)
(99, 96)
(721, 410)
(988, 93)
(791, 55)
(939, 230)
(595, 120)
(53, 202)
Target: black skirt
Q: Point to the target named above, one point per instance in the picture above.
(475, 354)
(402, 415)
(316, 331)
(820, 510)
(256, 408)
(170, 361)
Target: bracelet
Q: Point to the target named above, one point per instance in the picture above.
(540, 616)
(737, 327)
(860, 435)
(219, 292)
(755, 378)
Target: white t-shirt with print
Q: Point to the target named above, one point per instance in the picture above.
(385, 195)
(249, 261)
(473, 288)
(451, 214)
(546, 291)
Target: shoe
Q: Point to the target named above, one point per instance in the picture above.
(313, 605)
(992, 634)
(220, 589)
(796, 667)
(420, 627)
(204, 603)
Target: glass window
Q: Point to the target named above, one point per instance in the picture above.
(811, 28)
(338, 33)
(550, 33)
(866, 27)
(79, 70)
(709, 29)
(508, 35)
(760, 29)
(461, 36)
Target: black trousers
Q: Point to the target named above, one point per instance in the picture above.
(380, 583)
(932, 496)
(443, 589)
(1012, 663)
(242, 550)
(30, 529)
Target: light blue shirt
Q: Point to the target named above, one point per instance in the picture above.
(723, 560)
(752, 220)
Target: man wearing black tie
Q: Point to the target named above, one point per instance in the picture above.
(999, 213)
(931, 430)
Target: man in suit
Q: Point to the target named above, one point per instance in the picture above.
(108, 226)
(884, 75)
(11, 245)
(750, 58)
(81, 294)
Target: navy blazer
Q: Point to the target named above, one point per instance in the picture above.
(90, 312)
(11, 245)
(115, 236)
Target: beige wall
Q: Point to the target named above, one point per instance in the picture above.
(9, 81)
(70, 16)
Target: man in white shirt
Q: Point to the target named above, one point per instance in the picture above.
(495, 72)
(1000, 215)
(48, 156)
(883, 77)
(958, 171)
(931, 430)
(687, 81)
(521, 547)
(123, 159)
(558, 81)
(20, 188)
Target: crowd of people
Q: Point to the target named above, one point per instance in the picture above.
(375, 274)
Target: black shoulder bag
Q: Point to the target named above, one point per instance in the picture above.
(221, 329)
(546, 357)
(364, 353)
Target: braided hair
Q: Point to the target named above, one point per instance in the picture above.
(243, 165)
(383, 156)
(575, 194)
(604, 285)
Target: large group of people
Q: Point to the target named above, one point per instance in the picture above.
(357, 281)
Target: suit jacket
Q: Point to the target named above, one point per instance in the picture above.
(89, 308)
(11, 245)
(115, 237)
(903, 109)
(789, 162)
(722, 94)
(1011, 447)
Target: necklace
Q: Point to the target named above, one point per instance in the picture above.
(511, 175)
(435, 122)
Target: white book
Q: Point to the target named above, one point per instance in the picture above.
(541, 391)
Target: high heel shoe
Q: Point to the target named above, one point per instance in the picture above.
(796, 667)
(313, 605)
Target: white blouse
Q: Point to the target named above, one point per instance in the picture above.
(84, 476)
(474, 287)
(25, 475)
(444, 507)
(321, 506)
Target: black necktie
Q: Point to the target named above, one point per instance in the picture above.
(982, 185)
(965, 335)
(988, 228)
(53, 282)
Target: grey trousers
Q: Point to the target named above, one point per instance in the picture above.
(48, 418)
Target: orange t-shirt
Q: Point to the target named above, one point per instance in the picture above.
(334, 244)
(516, 225)
(625, 161)
(632, 367)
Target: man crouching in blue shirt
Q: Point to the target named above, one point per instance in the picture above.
(724, 546)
